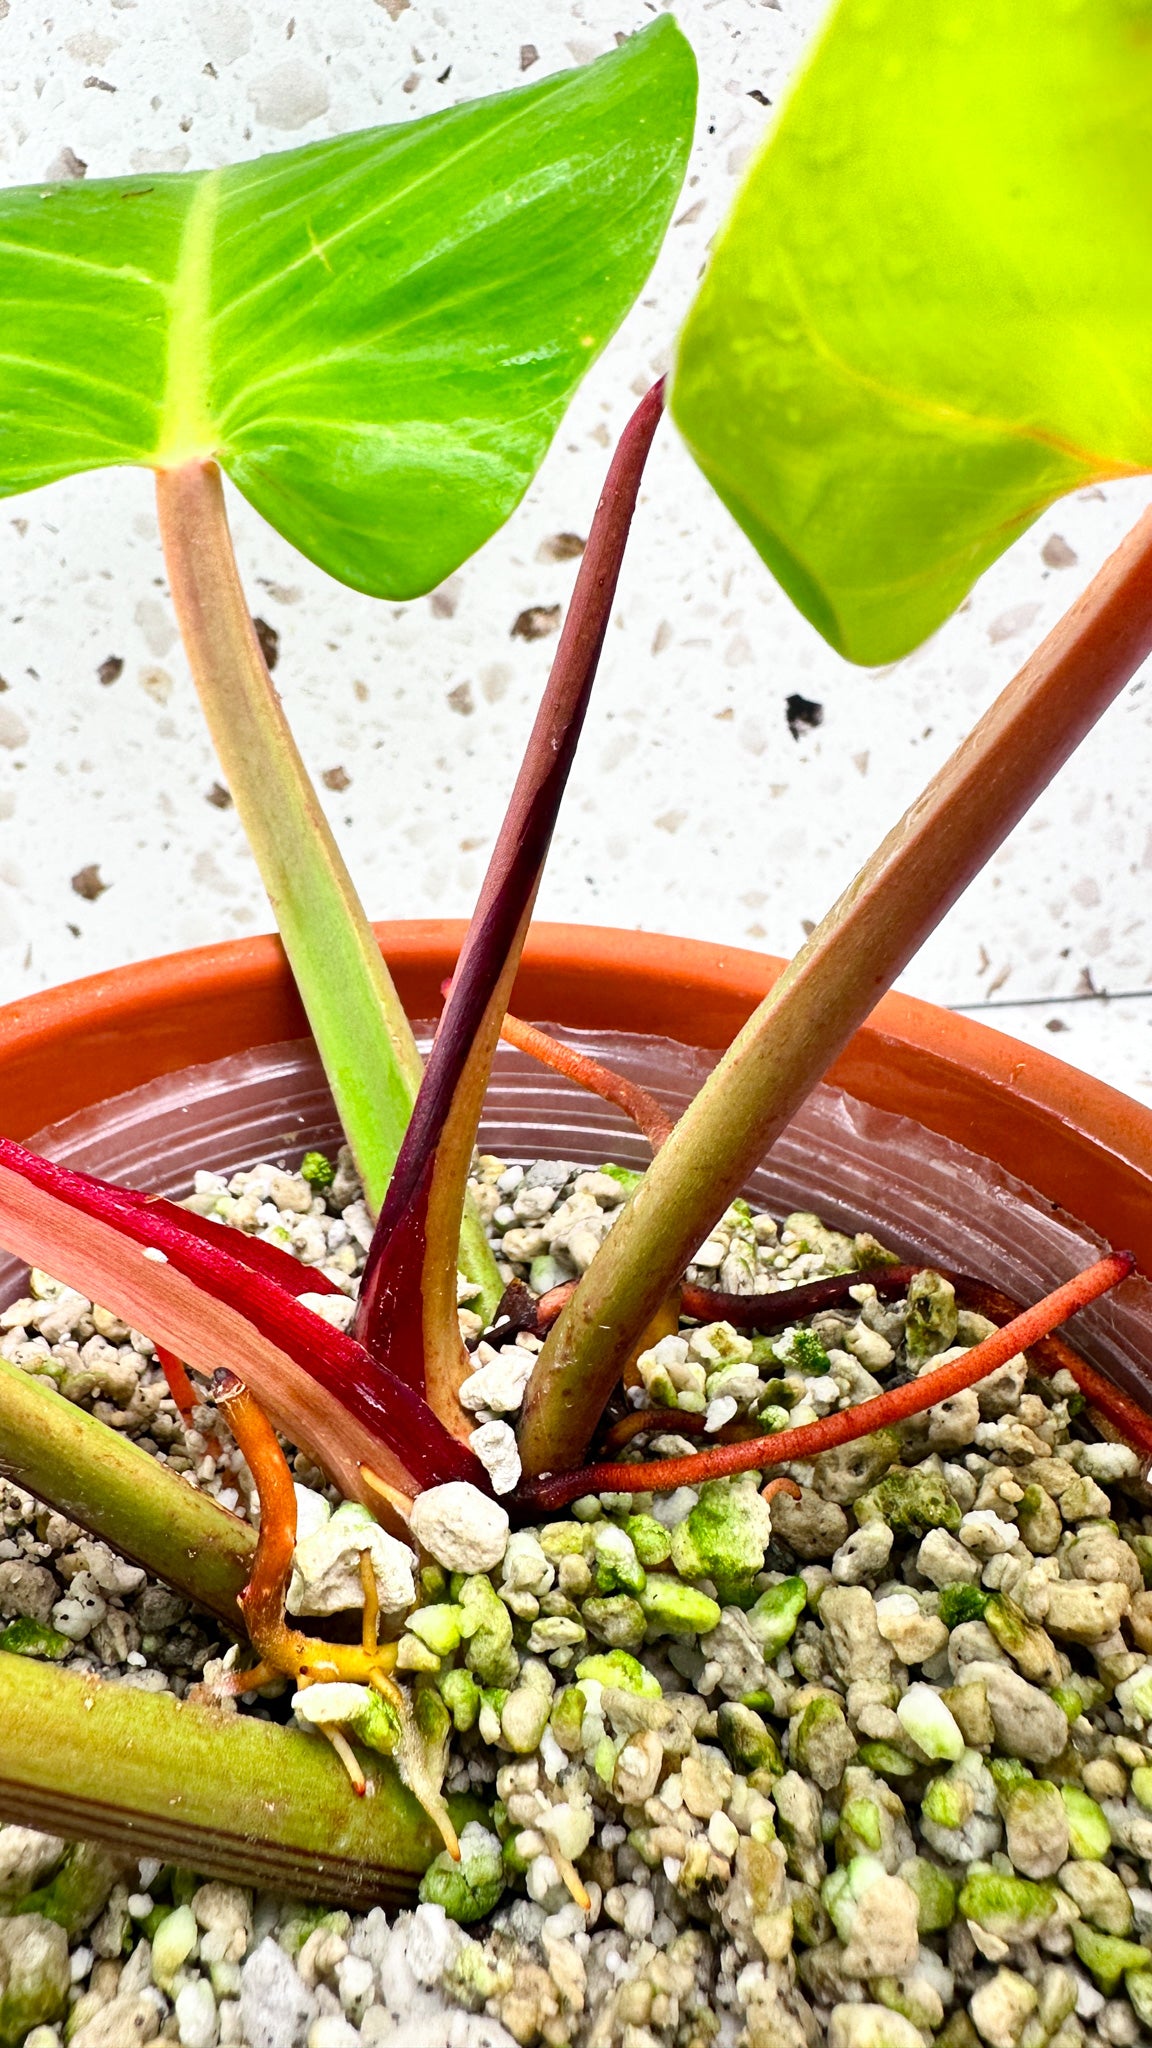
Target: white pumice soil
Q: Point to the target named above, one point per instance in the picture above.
(870, 1767)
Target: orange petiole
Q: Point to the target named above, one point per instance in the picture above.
(642, 1108)
(283, 1651)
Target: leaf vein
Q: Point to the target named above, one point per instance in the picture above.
(70, 374)
(397, 198)
(126, 271)
(943, 411)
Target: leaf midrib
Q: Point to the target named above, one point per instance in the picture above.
(187, 432)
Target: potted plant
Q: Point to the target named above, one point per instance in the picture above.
(247, 306)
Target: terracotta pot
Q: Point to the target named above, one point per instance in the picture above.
(1080, 1143)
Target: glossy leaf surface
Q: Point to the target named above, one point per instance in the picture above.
(375, 336)
(928, 315)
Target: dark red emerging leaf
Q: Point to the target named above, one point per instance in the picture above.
(407, 1315)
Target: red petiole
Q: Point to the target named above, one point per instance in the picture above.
(771, 1311)
(756, 1311)
(895, 1405)
(645, 1112)
(179, 1385)
(797, 1304)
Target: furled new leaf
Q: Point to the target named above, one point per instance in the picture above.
(407, 1309)
(928, 315)
(375, 336)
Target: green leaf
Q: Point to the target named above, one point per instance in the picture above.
(928, 315)
(376, 336)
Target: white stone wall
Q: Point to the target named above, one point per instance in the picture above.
(693, 808)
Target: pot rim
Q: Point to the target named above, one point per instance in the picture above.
(1073, 1137)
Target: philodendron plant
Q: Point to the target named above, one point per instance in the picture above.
(921, 324)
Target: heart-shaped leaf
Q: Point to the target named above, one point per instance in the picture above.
(376, 336)
(928, 315)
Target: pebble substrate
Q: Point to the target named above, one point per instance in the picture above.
(872, 1768)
